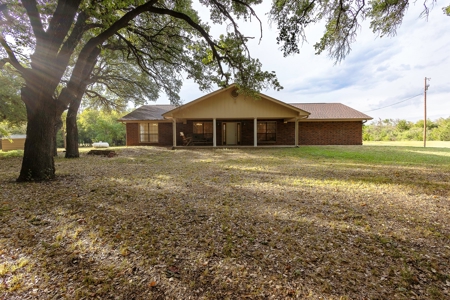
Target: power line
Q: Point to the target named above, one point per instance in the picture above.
(395, 103)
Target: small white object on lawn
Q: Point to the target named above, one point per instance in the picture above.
(100, 145)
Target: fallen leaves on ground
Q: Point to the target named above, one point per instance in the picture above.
(154, 223)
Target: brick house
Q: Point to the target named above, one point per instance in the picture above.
(224, 118)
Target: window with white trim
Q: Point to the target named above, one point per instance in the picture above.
(148, 132)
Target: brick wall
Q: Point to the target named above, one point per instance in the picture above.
(133, 134)
(247, 133)
(164, 135)
(310, 133)
(285, 133)
(330, 133)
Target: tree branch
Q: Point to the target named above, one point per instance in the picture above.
(91, 47)
(253, 13)
(35, 19)
(108, 104)
(197, 27)
(340, 11)
(73, 39)
(12, 58)
(59, 25)
(4, 10)
(137, 52)
(116, 26)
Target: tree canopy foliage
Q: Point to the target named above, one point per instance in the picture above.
(403, 130)
(343, 19)
(12, 109)
(96, 126)
(446, 10)
(115, 83)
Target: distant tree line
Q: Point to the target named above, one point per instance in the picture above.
(403, 130)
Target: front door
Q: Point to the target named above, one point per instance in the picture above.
(231, 133)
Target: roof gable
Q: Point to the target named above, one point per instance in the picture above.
(226, 105)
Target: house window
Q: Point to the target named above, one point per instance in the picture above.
(267, 131)
(203, 131)
(148, 132)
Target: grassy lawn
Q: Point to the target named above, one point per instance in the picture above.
(332, 222)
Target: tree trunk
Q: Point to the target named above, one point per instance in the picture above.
(75, 92)
(58, 126)
(72, 134)
(37, 162)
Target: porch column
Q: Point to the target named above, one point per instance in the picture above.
(296, 132)
(214, 133)
(174, 132)
(255, 132)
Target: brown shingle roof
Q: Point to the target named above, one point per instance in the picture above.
(148, 112)
(319, 111)
(323, 111)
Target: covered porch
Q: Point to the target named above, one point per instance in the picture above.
(225, 118)
(235, 132)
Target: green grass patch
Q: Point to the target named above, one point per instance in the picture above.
(373, 155)
(12, 153)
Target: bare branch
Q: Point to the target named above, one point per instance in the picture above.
(105, 102)
(253, 13)
(12, 58)
(136, 51)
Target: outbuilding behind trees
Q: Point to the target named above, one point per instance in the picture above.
(13, 142)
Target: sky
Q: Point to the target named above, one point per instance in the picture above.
(381, 77)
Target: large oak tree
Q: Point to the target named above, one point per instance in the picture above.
(165, 38)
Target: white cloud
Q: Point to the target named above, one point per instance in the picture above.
(377, 73)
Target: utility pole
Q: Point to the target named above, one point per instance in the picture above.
(425, 112)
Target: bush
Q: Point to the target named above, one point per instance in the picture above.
(402, 130)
